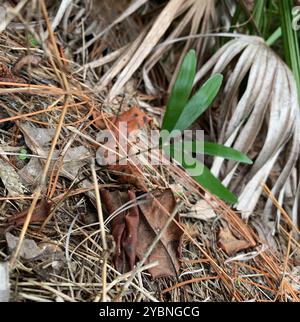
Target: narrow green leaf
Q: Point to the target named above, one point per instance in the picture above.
(290, 39)
(181, 91)
(199, 102)
(206, 179)
(259, 14)
(219, 150)
(215, 186)
(274, 37)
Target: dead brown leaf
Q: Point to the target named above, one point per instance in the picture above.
(45, 258)
(229, 243)
(124, 228)
(135, 120)
(28, 60)
(40, 213)
(29, 249)
(155, 213)
(135, 229)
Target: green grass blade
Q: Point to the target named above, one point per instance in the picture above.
(207, 180)
(274, 37)
(181, 91)
(215, 149)
(199, 103)
(215, 186)
(290, 40)
(259, 14)
(225, 152)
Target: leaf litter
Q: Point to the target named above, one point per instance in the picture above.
(80, 279)
(135, 229)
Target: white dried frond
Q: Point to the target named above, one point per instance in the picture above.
(260, 118)
(192, 15)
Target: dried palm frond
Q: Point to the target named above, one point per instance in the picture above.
(177, 18)
(194, 16)
(137, 35)
(259, 115)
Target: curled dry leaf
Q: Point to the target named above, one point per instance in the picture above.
(44, 257)
(154, 215)
(29, 249)
(28, 60)
(124, 228)
(121, 142)
(38, 140)
(229, 243)
(201, 210)
(40, 213)
(135, 229)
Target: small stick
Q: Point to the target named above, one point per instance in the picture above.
(102, 229)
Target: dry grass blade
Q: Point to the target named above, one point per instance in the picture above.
(161, 24)
(50, 112)
(60, 13)
(10, 14)
(38, 191)
(129, 11)
(195, 15)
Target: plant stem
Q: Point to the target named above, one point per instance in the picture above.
(290, 40)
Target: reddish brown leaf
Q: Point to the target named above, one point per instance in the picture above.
(124, 228)
(135, 229)
(155, 213)
(130, 237)
(98, 120)
(40, 213)
(135, 119)
(229, 243)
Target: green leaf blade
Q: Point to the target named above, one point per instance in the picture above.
(200, 102)
(181, 91)
(225, 152)
(215, 149)
(206, 179)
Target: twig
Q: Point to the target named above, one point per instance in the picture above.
(103, 235)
